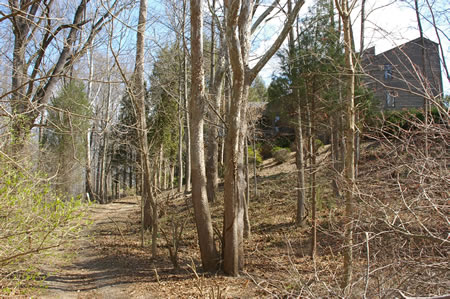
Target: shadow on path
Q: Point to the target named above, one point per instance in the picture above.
(106, 261)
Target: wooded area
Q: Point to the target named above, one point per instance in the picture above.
(163, 104)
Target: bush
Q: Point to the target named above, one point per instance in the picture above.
(395, 122)
(318, 144)
(280, 154)
(251, 156)
(33, 219)
(284, 141)
(266, 150)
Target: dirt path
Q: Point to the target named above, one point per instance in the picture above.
(98, 269)
(109, 262)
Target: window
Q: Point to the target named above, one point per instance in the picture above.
(390, 98)
(387, 71)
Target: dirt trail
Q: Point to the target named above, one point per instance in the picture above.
(97, 271)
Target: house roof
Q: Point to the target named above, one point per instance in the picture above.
(371, 50)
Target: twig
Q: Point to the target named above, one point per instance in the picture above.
(368, 265)
(157, 276)
(446, 296)
(123, 238)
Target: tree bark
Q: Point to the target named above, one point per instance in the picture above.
(212, 147)
(313, 174)
(180, 138)
(208, 251)
(186, 106)
(255, 178)
(300, 214)
(89, 191)
(247, 227)
(172, 175)
(137, 93)
(238, 33)
(349, 162)
(212, 160)
(160, 167)
(426, 104)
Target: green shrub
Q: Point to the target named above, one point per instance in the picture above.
(129, 191)
(394, 122)
(33, 219)
(280, 154)
(318, 143)
(265, 150)
(284, 141)
(251, 156)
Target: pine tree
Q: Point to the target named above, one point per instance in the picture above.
(65, 136)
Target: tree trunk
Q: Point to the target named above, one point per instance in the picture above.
(98, 179)
(27, 100)
(105, 172)
(138, 173)
(131, 171)
(238, 40)
(247, 228)
(234, 186)
(238, 33)
(335, 153)
(212, 160)
(313, 174)
(160, 167)
(226, 111)
(137, 94)
(187, 187)
(349, 163)
(89, 191)
(300, 215)
(172, 175)
(105, 120)
(423, 75)
(164, 174)
(255, 179)
(208, 251)
(180, 140)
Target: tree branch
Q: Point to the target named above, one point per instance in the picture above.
(277, 43)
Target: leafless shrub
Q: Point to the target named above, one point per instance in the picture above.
(281, 155)
(173, 239)
(403, 208)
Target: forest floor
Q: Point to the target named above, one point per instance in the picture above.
(109, 261)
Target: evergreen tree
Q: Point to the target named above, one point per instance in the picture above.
(258, 91)
(65, 136)
(164, 83)
(164, 131)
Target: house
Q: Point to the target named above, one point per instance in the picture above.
(397, 76)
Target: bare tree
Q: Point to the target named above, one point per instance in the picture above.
(215, 94)
(238, 34)
(301, 196)
(345, 9)
(33, 82)
(137, 94)
(202, 215)
(188, 165)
